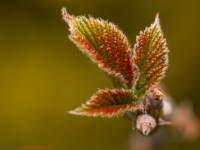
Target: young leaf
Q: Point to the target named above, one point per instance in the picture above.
(108, 103)
(151, 58)
(105, 45)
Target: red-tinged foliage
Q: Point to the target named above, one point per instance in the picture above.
(108, 103)
(105, 45)
(132, 71)
(151, 58)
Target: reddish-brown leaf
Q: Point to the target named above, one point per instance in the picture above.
(151, 58)
(105, 45)
(108, 103)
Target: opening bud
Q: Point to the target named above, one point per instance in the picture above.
(145, 123)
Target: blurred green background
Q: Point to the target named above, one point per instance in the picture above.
(43, 74)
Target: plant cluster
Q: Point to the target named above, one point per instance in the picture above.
(132, 71)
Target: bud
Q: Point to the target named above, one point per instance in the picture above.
(145, 123)
(157, 94)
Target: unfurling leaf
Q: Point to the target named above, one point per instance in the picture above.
(105, 45)
(132, 71)
(151, 58)
(108, 103)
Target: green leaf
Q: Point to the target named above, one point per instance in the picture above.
(151, 58)
(108, 103)
(105, 45)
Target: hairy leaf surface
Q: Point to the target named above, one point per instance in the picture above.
(151, 58)
(105, 45)
(108, 103)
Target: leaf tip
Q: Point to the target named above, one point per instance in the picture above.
(157, 20)
(67, 17)
(72, 112)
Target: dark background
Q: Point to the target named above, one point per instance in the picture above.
(43, 74)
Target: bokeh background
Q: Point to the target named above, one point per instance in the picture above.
(43, 74)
